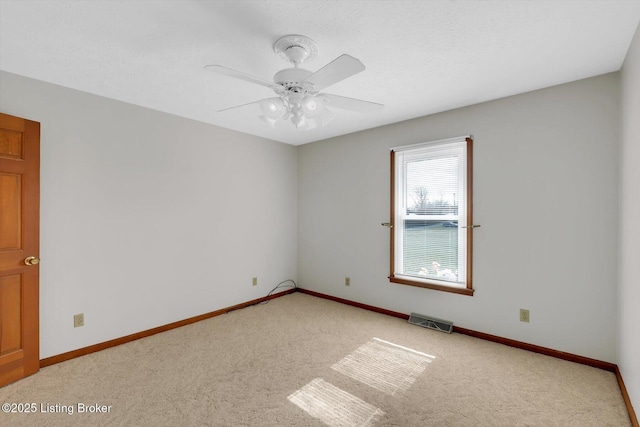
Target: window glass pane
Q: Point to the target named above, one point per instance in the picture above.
(430, 249)
(432, 186)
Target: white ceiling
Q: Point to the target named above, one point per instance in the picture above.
(422, 57)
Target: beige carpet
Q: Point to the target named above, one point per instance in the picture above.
(305, 361)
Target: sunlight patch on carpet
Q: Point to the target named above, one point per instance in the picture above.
(334, 406)
(384, 366)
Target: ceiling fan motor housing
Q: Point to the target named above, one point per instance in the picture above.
(292, 80)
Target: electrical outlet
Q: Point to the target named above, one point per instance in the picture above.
(78, 320)
(524, 315)
(254, 281)
(347, 281)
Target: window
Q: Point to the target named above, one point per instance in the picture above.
(431, 221)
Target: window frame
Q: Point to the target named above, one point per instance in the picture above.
(468, 226)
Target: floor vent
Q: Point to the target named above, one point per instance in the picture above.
(431, 322)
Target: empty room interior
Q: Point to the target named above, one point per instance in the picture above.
(187, 240)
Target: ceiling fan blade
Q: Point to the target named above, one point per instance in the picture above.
(240, 75)
(339, 69)
(238, 106)
(351, 103)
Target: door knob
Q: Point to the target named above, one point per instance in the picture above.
(32, 260)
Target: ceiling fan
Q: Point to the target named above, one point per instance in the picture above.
(298, 90)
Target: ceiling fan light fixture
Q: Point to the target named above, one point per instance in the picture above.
(304, 112)
(299, 120)
(311, 106)
(272, 107)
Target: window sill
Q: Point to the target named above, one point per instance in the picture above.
(427, 285)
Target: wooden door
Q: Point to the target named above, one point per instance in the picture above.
(19, 247)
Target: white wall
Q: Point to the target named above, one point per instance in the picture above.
(148, 218)
(629, 342)
(545, 193)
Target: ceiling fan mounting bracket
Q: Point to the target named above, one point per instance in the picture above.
(296, 49)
